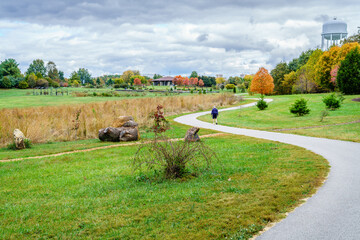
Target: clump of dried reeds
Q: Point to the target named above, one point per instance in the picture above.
(71, 122)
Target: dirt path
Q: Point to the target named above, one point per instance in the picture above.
(98, 148)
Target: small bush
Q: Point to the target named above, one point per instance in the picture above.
(332, 102)
(230, 86)
(261, 104)
(300, 107)
(204, 91)
(191, 91)
(12, 146)
(173, 157)
(23, 85)
(5, 82)
(324, 114)
(234, 90)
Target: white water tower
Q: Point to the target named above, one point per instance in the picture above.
(332, 32)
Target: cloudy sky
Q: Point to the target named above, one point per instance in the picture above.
(166, 37)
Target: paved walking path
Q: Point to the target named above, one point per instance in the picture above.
(334, 211)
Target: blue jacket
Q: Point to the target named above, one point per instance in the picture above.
(214, 111)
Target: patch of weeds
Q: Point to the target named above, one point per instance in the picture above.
(246, 233)
(324, 114)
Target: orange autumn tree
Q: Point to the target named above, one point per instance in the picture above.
(201, 83)
(137, 81)
(262, 82)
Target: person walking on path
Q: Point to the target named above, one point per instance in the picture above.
(214, 114)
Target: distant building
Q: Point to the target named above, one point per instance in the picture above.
(219, 75)
(164, 81)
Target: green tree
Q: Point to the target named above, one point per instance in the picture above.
(98, 82)
(31, 80)
(9, 67)
(5, 82)
(52, 71)
(289, 81)
(85, 76)
(142, 78)
(74, 76)
(37, 66)
(110, 82)
(208, 81)
(23, 84)
(61, 76)
(348, 76)
(194, 74)
(157, 76)
(278, 74)
(353, 38)
(127, 75)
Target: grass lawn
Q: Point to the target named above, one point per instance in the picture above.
(278, 116)
(20, 98)
(96, 194)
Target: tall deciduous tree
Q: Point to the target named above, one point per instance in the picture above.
(220, 80)
(348, 76)
(61, 75)
(52, 71)
(178, 80)
(263, 82)
(37, 67)
(201, 83)
(289, 81)
(278, 74)
(85, 76)
(194, 74)
(137, 81)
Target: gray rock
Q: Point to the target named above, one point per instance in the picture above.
(109, 134)
(191, 135)
(19, 138)
(128, 134)
(130, 123)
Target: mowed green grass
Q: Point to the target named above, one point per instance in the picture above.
(278, 116)
(20, 98)
(97, 195)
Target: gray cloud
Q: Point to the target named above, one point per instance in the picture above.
(158, 36)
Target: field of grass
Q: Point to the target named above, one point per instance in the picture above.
(83, 121)
(278, 116)
(21, 98)
(176, 131)
(97, 195)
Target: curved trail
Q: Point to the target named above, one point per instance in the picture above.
(334, 211)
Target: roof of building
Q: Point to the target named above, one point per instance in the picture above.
(167, 78)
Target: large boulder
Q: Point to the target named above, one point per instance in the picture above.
(124, 129)
(19, 139)
(120, 121)
(109, 134)
(128, 134)
(191, 135)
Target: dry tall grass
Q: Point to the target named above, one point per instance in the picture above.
(66, 123)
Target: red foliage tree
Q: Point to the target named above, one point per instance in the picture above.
(263, 82)
(201, 83)
(137, 81)
(178, 80)
(194, 81)
(186, 81)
